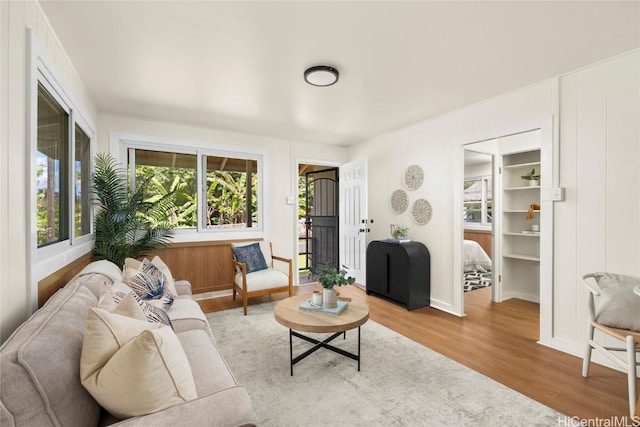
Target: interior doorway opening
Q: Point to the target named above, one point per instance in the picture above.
(318, 231)
(478, 217)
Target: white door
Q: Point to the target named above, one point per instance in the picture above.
(353, 218)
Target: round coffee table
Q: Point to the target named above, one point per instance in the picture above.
(288, 314)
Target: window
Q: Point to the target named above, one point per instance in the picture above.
(230, 186)
(62, 171)
(82, 165)
(168, 172)
(478, 201)
(52, 170)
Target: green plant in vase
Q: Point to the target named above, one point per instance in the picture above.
(399, 232)
(329, 278)
(532, 177)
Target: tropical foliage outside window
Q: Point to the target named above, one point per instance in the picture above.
(170, 172)
(230, 185)
(227, 191)
(82, 168)
(52, 170)
(63, 164)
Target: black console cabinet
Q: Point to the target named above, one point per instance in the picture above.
(400, 271)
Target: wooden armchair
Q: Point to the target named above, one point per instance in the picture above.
(265, 280)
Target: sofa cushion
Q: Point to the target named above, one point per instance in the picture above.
(132, 367)
(186, 314)
(40, 364)
(210, 371)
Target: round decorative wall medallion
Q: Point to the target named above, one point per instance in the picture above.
(399, 201)
(413, 177)
(421, 211)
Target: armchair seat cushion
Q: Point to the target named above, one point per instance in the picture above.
(263, 279)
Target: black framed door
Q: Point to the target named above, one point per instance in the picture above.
(321, 222)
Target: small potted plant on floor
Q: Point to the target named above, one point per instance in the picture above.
(532, 177)
(329, 278)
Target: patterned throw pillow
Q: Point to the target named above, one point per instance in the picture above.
(251, 255)
(152, 313)
(149, 283)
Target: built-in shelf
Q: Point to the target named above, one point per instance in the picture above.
(520, 165)
(523, 257)
(528, 187)
(520, 266)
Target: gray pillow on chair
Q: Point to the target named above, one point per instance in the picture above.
(618, 306)
(251, 255)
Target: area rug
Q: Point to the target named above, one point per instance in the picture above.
(477, 279)
(401, 382)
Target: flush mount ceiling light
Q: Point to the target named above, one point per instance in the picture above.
(321, 75)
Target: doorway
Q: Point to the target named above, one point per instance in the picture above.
(513, 240)
(478, 216)
(318, 237)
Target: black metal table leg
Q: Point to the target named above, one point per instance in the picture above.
(320, 344)
(291, 349)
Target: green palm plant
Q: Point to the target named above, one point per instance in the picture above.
(127, 224)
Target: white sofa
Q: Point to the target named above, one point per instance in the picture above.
(40, 366)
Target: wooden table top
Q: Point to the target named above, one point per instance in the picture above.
(287, 314)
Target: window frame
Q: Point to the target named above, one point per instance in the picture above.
(121, 143)
(484, 203)
(49, 258)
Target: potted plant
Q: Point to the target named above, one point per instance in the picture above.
(399, 232)
(127, 224)
(532, 177)
(329, 278)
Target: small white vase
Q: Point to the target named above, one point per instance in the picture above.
(534, 183)
(329, 298)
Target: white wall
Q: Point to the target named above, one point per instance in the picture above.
(478, 170)
(434, 144)
(597, 227)
(15, 18)
(280, 167)
(597, 112)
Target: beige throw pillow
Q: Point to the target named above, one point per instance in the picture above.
(133, 367)
(618, 306)
(128, 306)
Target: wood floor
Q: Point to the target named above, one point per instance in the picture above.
(499, 341)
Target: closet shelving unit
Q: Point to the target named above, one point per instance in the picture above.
(520, 245)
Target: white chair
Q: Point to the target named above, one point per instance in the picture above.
(614, 293)
(262, 282)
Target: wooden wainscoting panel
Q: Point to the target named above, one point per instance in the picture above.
(50, 284)
(484, 238)
(207, 265)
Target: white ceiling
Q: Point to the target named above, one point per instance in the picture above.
(238, 65)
